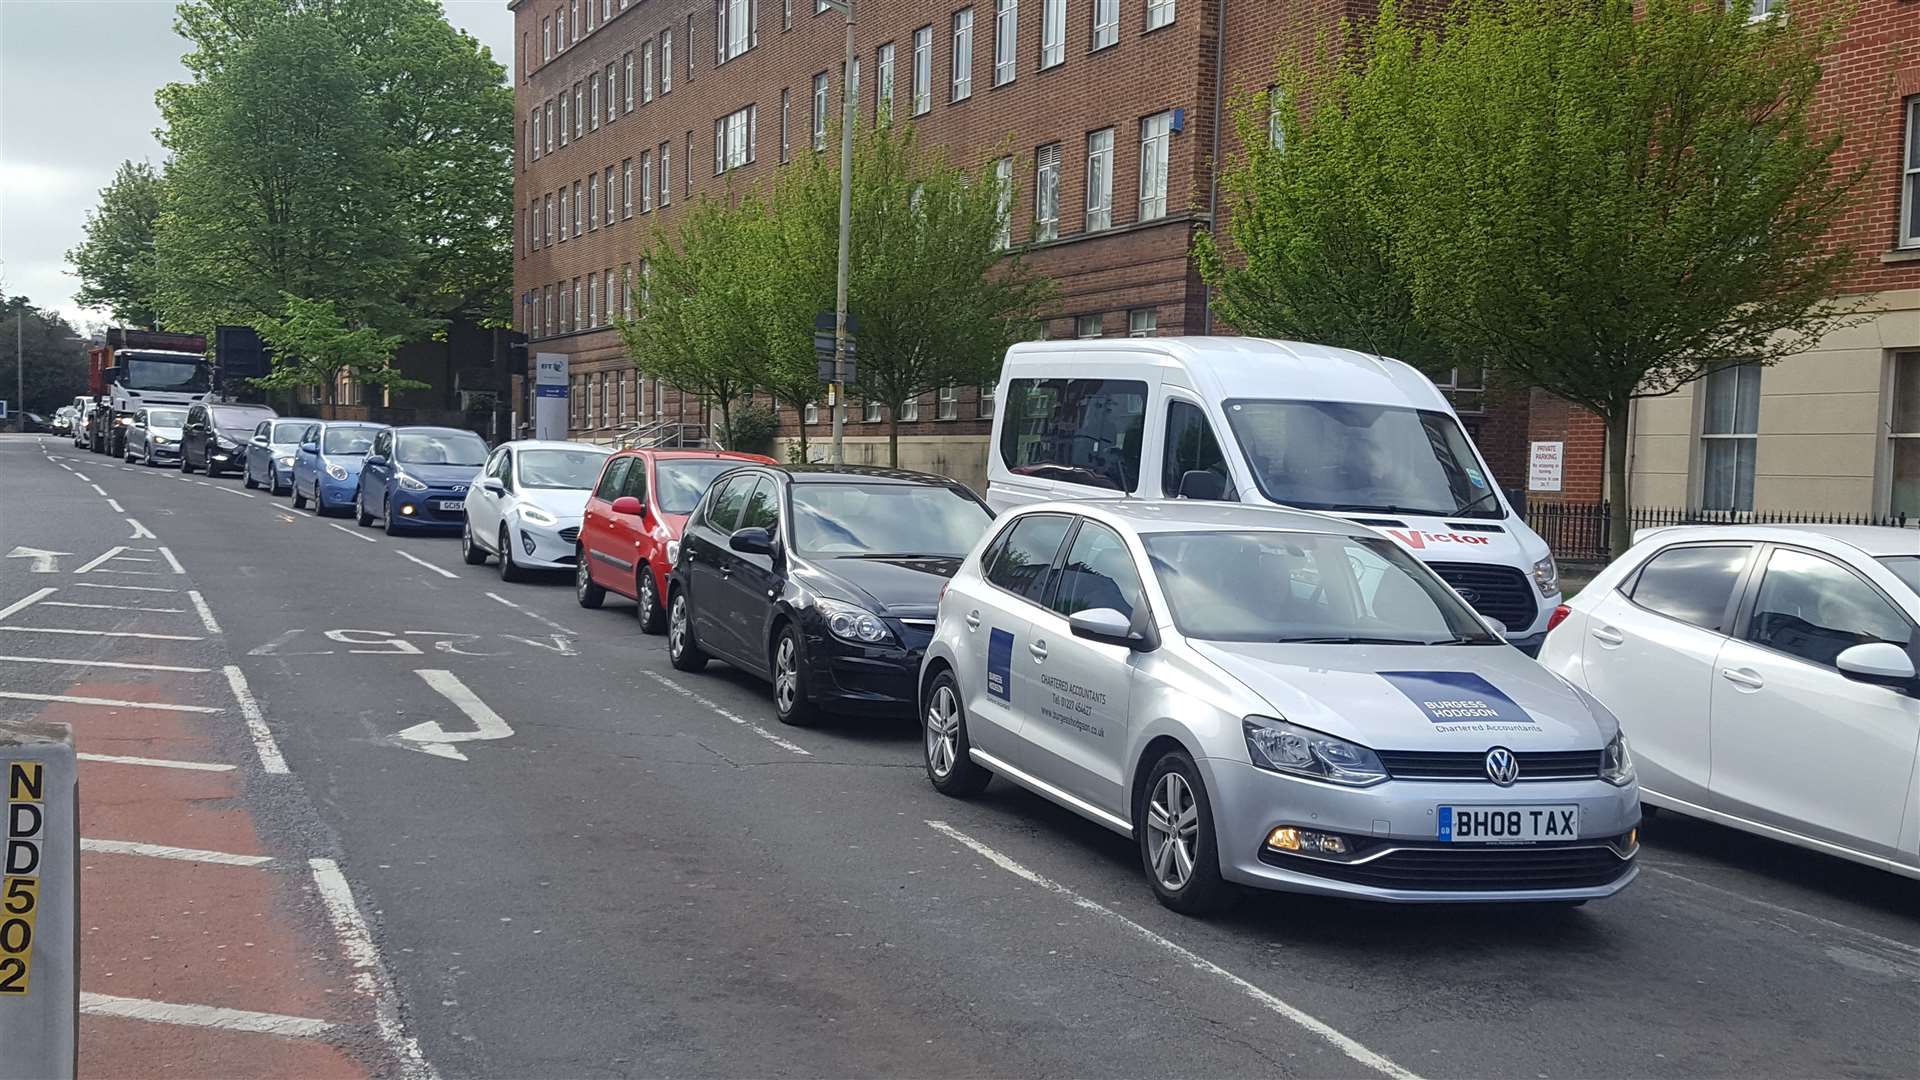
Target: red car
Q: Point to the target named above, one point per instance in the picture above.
(633, 521)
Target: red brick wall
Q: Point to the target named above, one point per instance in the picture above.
(1584, 457)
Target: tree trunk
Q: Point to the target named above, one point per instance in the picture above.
(801, 412)
(893, 436)
(726, 421)
(1619, 501)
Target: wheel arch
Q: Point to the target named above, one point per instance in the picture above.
(1156, 747)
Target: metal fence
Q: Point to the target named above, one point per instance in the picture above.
(1578, 532)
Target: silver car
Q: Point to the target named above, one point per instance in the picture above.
(1271, 698)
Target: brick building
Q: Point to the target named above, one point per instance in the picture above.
(1835, 430)
(1104, 114)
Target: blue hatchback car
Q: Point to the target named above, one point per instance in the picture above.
(417, 478)
(326, 465)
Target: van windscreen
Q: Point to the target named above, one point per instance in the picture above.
(1337, 455)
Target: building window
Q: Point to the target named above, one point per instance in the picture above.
(646, 181)
(786, 15)
(1466, 388)
(734, 23)
(1276, 131)
(576, 208)
(987, 392)
(563, 215)
(593, 300)
(947, 403)
(1003, 181)
(607, 203)
(786, 125)
(593, 101)
(1904, 456)
(544, 317)
(686, 181)
(1100, 180)
(592, 21)
(563, 119)
(870, 412)
(1046, 193)
(1143, 322)
(1159, 13)
(1910, 179)
(1762, 9)
(1088, 326)
(962, 55)
(690, 48)
(883, 85)
(1053, 33)
(1728, 440)
(1154, 133)
(546, 40)
(593, 201)
(1106, 23)
(1006, 35)
(533, 129)
(909, 410)
(666, 174)
(579, 110)
(547, 144)
(573, 21)
(820, 111)
(666, 61)
(646, 72)
(613, 83)
(546, 221)
(573, 320)
(733, 140)
(626, 188)
(606, 290)
(922, 70)
(626, 73)
(811, 413)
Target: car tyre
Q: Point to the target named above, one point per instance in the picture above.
(509, 570)
(299, 500)
(945, 749)
(589, 594)
(653, 617)
(470, 553)
(1178, 850)
(682, 650)
(391, 527)
(360, 515)
(246, 478)
(790, 701)
(320, 506)
(128, 458)
(185, 465)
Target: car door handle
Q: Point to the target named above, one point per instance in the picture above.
(973, 620)
(1038, 649)
(1607, 635)
(1744, 678)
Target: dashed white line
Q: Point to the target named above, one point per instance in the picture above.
(263, 744)
(369, 971)
(100, 663)
(26, 601)
(64, 465)
(101, 633)
(82, 476)
(355, 533)
(129, 588)
(157, 763)
(206, 1016)
(105, 703)
(535, 616)
(1340, 1041)
(117, 508)
(140, 532)
(415, 558)
(98, 490)
(715, 707)
(232, 491)
(171, 561)
(206, 613)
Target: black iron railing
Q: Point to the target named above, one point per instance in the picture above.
(1579, 532)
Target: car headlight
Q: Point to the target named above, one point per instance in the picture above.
(225, 443)
(162, 440)
(336, 471)
(855, 624)
(1546, 576)
(125, 421)
(1616, 761)
(1281, 747)
(673, 553)
(408, 483)
(286, 459)
(533, 515)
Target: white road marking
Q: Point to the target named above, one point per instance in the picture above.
(431, 738)
(158, 763)
(100, 633)
(140, 532)
(355, 533)
(117, 508)
(206, 1016)
(64, 465)
(164, 851)
(369, 971)
(232, 491)
(171, 561)
(741, 720)
(129, 588)
(87, 567)
(82, 476)
(206, 613)
(26, 601)
(107, 703)
(114, 607)
(98, 490)
(263, 744)
(99, 663)
(1781, 909)
(1340, 1041)
(535, 616)
(134, 558)
(44, 562)
(425, 563)
(297, 510)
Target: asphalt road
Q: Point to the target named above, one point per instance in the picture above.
(647, 875)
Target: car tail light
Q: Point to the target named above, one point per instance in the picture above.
(1559, 616)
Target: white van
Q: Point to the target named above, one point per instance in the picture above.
(1253, 420)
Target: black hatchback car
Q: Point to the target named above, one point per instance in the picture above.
(822, 580)
(215, 437)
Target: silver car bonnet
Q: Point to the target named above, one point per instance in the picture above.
(1415, 697)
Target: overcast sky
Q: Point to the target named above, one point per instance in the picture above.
(77, 79)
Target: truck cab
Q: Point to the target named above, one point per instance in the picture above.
(135, 369)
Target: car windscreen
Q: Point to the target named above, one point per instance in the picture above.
(1287, 586)
(679, 483)
(439, 448)
(1906, 568)
(288, 433)
(238, 420)
(1337, 455)
(348, 440)
(885, 519)
(166, 418)
(181, 376)
(569, 469)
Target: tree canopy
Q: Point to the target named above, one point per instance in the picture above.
(115, 262)
(56, 356)
(314, 346)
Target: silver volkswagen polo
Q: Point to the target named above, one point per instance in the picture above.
(1271, 698)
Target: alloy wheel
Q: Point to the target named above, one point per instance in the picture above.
(582, 578)
(943, 731)
(1173, 831)
(786, 675)
(677, 626)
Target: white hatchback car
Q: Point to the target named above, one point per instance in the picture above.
(531, 496)
(1272, 698)
(1768, 678)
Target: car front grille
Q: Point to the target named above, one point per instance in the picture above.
(1472, 765)
(570, 534)
(1498, 592)
(1470, 868)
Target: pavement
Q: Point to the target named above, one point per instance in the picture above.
(440, 825)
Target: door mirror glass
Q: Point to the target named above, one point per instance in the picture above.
(494, 485)
(259, 440)
(309, 447)
(752, 542)
(629, 506)
(1107, 626)
(1878, 663)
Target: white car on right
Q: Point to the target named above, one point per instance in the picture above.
(1767, 676)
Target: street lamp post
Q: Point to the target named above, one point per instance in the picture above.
(839, 387)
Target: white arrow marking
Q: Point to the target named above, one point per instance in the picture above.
(140, 532)
(431, 738)
(43, 561)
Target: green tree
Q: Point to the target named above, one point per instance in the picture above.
(313, 346)
(115, 262)
(56, 356)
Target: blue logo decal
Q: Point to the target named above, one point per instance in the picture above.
(1446, 823)
(1000, 665)
(1457, 697)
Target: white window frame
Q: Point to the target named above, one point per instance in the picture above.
(666, 173)
(646, 71)
(1156, 137)
(1143, 322)
(870, 411)
(819, 128)
(922, 71)
(1100, 180)
(1006, 41)
(593, 201)
(576, 208)
(1467, 397)
(736, 32)
(606, 290)
(1758, 10)
(733, 140)
(546, 39)
(1003, 179)
(1053, 33)
(786, 125)
(606, 204)
(627, 62)
(593, 101)
(536, 131)
(946, 404)
(550, 127)
(987, 393)
(666, 60)
(1083, 323)
(626, 189)
(962, 56)
(1736, 374)
(1910, 177)
(1907, 364)
(810, 414)
(566, 99)
(910, 410)
(1046, 193)
(1159, 13)
(613, 82)
(883, 85)
(1106, 24)
(646, 181)
(1276, 131)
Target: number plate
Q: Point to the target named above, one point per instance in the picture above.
(450, 504)
(1507, 824)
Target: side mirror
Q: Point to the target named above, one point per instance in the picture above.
(1879, 663)
(1109, 627)
(629, 506)
(309, 447)
(260, 440)
(493, 484)
(1203, 484)
(1499, 628)
(376, 459)
(752, 542)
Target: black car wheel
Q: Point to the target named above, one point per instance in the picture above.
(320, 506)
(470, 553)
(585, 590)
(653, 617)
(360, 515)
(790, 701)
(299, 500)
(509, 570)
(682, 650)
(391, 526)
(246, 477)
(1174, 822)
(949, 765)
(186, 464)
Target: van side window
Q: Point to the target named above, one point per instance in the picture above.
(1075, 431)
(1191, 447)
